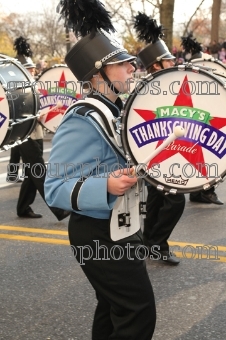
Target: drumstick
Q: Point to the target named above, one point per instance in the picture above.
(58, 105)
(178, 131)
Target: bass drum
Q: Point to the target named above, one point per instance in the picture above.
(215, 64)
(19, 103)
(181, 96)
(59, 89)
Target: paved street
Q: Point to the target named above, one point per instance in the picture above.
(45, 296)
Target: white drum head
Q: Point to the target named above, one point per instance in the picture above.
(196, 101)
(56, 85)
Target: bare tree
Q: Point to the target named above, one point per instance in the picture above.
(216, 10)
(123, 14)
(46, 34)
(189, 21)
(166, 19)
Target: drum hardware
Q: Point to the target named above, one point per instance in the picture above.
(142, 205)
(202, 67)
(6, 60)
(128, 206)
(21, 121)
(9, 146)
(209, 65)
(182, 67)
(219, 180)
(117, 124)
(125, 219)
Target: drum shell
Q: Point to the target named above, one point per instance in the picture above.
(151, 104)
(23, 101)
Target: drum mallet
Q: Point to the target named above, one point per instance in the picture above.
(178, 131)
(57, 106)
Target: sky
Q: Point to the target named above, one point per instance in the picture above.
(183, 9)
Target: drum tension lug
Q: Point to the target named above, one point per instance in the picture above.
(173, 191)
(124, 220)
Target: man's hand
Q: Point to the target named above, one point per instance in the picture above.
(121, 181)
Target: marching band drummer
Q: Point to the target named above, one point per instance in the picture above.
(193, 50)
(126, 305)
(163, 211)
(31, 152)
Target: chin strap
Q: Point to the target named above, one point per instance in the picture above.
(110, 85)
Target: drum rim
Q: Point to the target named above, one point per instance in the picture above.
(126, 147)
(50, 68)
(216, 61)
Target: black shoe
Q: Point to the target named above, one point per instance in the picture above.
(198, 198)
(30, 214)
(205, 197)
(166, 257)
(211, 197)
(169, 257)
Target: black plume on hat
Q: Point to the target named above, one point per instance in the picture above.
(148, 31)
(147, 28)
(22, 47)
(190, 45)
(90, 20)
(85, 16)
(24, 52)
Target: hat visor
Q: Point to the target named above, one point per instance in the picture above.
(120, 58)
(29, 65)
(168, 57)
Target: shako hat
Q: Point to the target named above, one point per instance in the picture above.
(96, 48)
(149, 32)
(192, 48)
(24, 52)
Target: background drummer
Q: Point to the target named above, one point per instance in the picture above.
(31, 151)
(194, 49)
(163, 211)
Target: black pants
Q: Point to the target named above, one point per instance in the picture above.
(14, 159)
(126, 305)
(31, 153)
(163, 213)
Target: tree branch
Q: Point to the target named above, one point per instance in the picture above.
(189, 21)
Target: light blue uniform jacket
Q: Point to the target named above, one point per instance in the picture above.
(75, 179)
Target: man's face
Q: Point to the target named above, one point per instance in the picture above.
(119, 74)
(167, 63)
(31, 70)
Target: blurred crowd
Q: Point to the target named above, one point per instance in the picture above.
(41, 66)
(215, 49)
